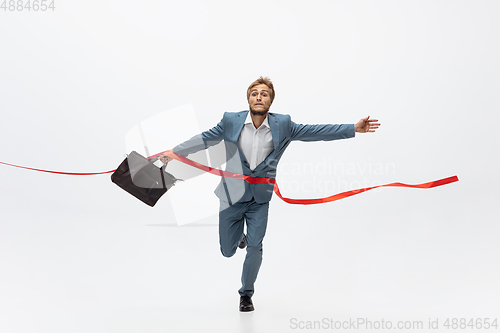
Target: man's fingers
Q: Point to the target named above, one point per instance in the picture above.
(367, 125)
(164, 158)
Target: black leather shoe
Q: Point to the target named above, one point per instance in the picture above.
(246, 304)
(243, 243)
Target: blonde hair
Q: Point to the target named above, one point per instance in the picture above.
(262, 80)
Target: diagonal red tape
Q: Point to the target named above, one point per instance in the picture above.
(259, 180)
(262, 180)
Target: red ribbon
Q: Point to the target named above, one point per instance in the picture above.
(60, 172)
(261, 180)
(346, 194)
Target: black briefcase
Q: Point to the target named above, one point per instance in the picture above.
(140, 177)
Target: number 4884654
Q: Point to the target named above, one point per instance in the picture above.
(27, 5)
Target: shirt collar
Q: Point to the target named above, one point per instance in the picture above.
(250, 121)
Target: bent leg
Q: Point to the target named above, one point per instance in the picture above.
(231, 219)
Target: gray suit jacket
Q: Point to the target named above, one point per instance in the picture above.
(283, 130)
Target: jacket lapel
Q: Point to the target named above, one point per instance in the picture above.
(238, 126)
(275, 131)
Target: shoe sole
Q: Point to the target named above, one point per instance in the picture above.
(248, 309)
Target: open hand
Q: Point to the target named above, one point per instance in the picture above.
(366, 125)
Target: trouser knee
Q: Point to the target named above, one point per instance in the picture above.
(228, 253)
(254, 249)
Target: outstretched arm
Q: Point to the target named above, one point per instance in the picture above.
(367, 125)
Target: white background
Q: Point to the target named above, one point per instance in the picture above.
(77, 254)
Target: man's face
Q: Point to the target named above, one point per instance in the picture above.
(260, 100)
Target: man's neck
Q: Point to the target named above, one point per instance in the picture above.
(257, 120)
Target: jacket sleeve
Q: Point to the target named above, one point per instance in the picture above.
(201, 141)
(325, 132)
